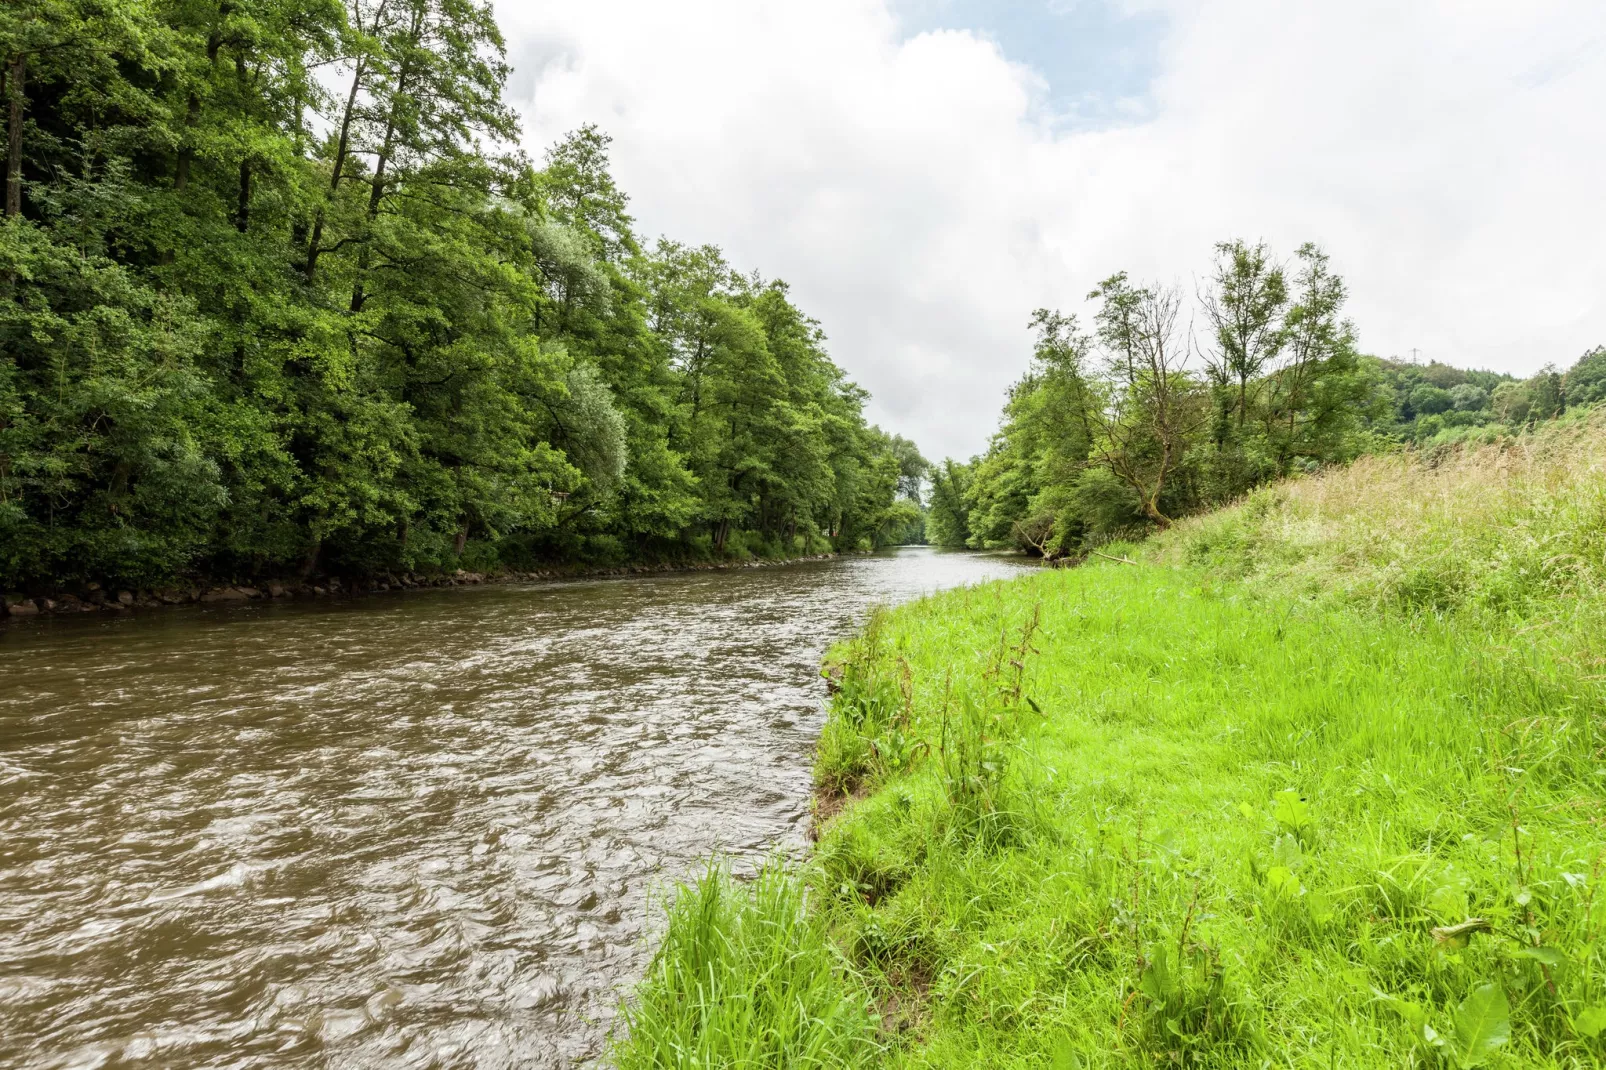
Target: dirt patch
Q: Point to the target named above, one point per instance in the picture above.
(829, 804)
(906, 1003)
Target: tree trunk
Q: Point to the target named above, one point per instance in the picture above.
(192, 116)
(186, 152)
(376, 192)
(341, 149)
(461, 540)
(16, 85)
(242, 215)
(310, 565)
(1152, 511)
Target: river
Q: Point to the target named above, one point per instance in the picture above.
(424, 829)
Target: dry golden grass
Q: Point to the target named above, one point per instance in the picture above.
(1518, 526)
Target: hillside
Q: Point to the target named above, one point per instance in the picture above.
(1314, 778)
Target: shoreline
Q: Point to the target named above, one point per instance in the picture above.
(98, 599)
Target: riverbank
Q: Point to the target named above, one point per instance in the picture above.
(94, 598)
(1315, 779)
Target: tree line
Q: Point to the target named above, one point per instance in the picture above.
(1162, 406)
(279, 295)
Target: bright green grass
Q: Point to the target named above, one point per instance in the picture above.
(1226, 832)
(746, 976)
(1192, 825)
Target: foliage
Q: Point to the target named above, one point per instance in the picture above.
(1112, 434)
(280, 297)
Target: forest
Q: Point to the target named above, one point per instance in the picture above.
(1166, 406)
(279, 295)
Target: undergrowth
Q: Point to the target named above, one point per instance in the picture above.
(1262, 799)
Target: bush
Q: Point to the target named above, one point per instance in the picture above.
(1427, 400)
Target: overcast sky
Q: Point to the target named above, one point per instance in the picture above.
(925, 173)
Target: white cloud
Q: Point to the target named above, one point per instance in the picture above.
(1450, 154)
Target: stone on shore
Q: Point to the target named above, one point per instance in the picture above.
(18, 605)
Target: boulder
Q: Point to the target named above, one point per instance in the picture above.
(125, 597)
(18, 606)
(276, 590)
(225, 594)
(249, 592)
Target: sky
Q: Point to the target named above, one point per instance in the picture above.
(926, 173)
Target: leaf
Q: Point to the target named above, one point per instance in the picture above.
(1548, 956)
(1157, 982)
(1291, 810)
(1065, 1057)
(1286, 852)
(1592, 1022)
(1449, 900)
(1456, 935)
(1280, 880)
(1411, 1012)
(1482, 1024)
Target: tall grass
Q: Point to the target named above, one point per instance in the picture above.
(1515, 526)
(1320, 783)
(746, 976)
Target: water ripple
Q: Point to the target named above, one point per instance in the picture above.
(418, 831)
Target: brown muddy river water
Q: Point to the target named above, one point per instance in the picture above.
(424, 829)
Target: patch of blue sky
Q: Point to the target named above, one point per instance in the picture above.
(1097, 57)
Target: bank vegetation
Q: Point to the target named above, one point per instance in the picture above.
(1314, 780)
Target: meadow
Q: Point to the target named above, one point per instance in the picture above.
(1316, 780)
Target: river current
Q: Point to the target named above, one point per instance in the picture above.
(424, 829)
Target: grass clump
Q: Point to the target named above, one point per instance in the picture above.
(1246, 803)
(746, 976)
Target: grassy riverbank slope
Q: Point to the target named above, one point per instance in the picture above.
(1314, 781)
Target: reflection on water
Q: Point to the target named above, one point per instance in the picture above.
(414, 830)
